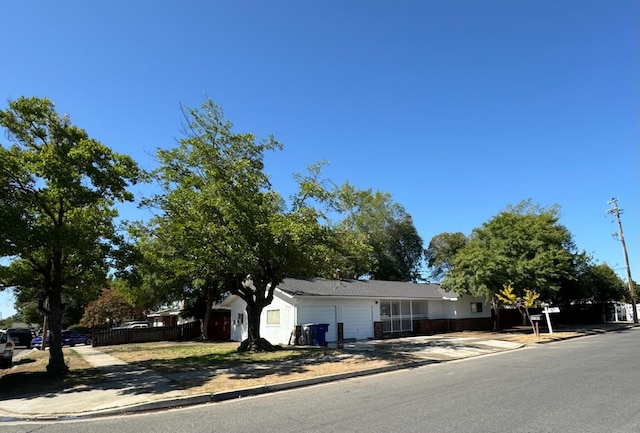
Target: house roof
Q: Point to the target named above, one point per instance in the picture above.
(313, 286)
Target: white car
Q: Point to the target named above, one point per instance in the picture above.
(133, 325)
(6, 350)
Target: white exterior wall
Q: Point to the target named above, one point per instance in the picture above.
(357, 315)
(441, 309)
(462, 308)
(275, 334)
(278, 333)
(458, 309)
(239, 331)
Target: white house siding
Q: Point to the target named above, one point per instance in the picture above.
(274, 333)
(462, 308)
(278, 333)
(239, 329)
(441, 309)
(458, 309)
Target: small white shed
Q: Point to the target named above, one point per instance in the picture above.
(360, 309)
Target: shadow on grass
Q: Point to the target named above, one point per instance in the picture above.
(24, 361)
(195, 371)
(32, 384)
(160, 376)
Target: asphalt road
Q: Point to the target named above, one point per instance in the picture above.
(583, 385)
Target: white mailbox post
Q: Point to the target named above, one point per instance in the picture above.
(547, 311)
(535, 318)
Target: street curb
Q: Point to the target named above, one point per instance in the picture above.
(140, 407)
(265, 389)
(178, 402)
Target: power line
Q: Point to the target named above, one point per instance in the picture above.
(617, 212)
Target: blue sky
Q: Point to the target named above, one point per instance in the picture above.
(456, 108)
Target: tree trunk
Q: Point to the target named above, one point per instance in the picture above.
(56, 364)
(253, 323)
(254, 342)
(208, 313)
(496, 316)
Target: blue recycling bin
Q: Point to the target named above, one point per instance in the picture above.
(314, 334)
(319, 334)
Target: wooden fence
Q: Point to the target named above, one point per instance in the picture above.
(186, 331)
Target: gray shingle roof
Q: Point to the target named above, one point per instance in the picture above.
(313, 286)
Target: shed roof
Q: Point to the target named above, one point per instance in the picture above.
(314, 286)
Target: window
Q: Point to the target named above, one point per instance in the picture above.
(240, 317)
(273, 317)
(476, 307)
(396, 316)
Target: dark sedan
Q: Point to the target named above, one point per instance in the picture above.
(69, 338)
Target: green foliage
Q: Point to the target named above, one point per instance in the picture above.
(384, 243)
(442, 251)
(29, 311)
(56, 210)
(219, 220)
(603, 284)
(591, 283)
(524, 245)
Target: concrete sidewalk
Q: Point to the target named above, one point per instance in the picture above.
(132, 389)
(126, 386)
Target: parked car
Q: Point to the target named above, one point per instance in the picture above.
(69, 338)
(6, 350)
(21, 336)
(133, 325)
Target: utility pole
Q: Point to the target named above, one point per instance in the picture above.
(614, 210)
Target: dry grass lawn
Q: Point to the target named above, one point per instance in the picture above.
(204, 367)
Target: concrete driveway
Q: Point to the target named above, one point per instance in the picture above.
(436, 348)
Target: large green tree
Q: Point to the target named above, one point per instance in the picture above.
(220, 227)
(594, 283)
(442, 251)
(395, 250)
(524, 246)
(57, 190)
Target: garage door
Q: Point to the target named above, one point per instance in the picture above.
(324, 314)
(358, 322)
